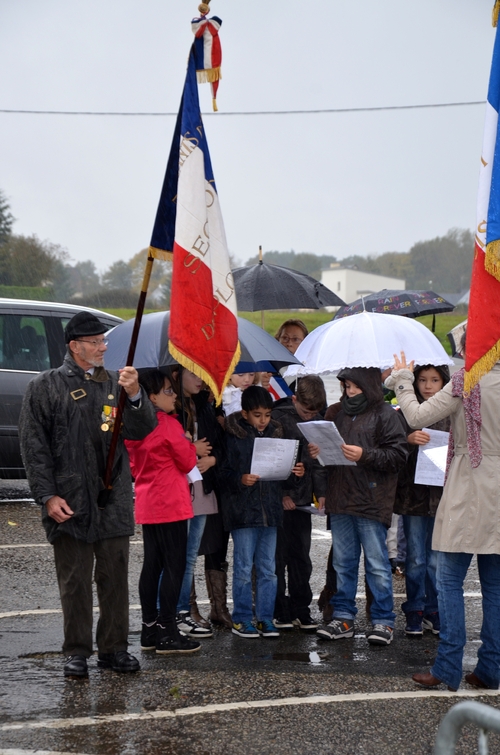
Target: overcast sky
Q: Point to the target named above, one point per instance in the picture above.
(329, 183)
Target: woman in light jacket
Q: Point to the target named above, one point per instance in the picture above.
(467, 520)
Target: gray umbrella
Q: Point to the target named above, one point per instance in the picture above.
(259, 350)
(262, 286)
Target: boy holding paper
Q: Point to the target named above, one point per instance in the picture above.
(360, 499)
(252, 511)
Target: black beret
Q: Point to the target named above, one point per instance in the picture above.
(83, 324)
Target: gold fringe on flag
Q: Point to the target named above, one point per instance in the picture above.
(492, 259)
(160, 254)
(209, 75)
(188, 364)
(481, 367)
(496, 12)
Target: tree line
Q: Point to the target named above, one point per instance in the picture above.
(443, 264)
(26, 263)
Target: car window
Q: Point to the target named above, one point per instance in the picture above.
(23, 343)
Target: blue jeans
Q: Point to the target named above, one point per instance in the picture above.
(254, 545)
(196, 527)
(421, 561)
(451, 571)
(349, 533)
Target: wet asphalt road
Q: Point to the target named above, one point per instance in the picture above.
(294, 694)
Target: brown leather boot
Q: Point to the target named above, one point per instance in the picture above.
(194, 612)
(217, 592)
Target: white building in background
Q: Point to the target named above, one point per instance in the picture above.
(352, 284)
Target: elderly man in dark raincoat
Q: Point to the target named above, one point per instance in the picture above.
(65, 432)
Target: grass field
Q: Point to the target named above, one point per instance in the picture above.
(313, 318)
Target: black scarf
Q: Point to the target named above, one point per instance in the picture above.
(354, 405)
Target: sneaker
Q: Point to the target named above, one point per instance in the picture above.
(431, 621)
(166, 644)
(380, 635)
(267, 629)
(336, 629)
(306, 623)
(188, 626)
(282, 623)
(148, 636)
(413, 626)
(245, 629)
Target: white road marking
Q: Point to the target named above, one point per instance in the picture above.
(47, 545)
(197, 710)
(137, 607)
(35, 752)
(321, 535)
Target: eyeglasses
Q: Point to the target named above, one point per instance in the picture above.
(168, 391)
(288, 339)
(94, 343)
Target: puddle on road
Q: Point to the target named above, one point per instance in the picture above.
(312, 658)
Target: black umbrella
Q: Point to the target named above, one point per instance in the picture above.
(264, 286)
(259, 350)
(408, 303)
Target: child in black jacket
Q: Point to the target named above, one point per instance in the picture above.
(252, 511)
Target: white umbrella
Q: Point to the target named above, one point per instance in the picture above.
(368, 339)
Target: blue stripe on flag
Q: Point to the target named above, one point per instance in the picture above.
(190, 124)
(494, 85)
(493, 220)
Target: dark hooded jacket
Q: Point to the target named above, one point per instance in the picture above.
(64, 449)
(260, 505)
(209, 428)
(300, 489)
(412, 499)
(367, 489)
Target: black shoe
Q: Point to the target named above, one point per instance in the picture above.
(167, 644)
(120, 661)
(148, 636)
(306, 623)
(76, 667)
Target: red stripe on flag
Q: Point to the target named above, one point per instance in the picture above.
(483, 326)
(201, 328)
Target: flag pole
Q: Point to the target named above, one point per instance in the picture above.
(104, 495)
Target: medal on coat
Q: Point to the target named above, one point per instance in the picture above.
(108, 416)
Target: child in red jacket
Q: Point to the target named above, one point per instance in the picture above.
(160, 463)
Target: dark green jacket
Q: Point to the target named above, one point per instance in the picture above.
(64, 449)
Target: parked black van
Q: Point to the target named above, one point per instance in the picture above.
(31, 340)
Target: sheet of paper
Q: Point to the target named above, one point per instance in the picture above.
(273, 458)
(194, 475)
(311, 510)
(431, 460)
(326, 436)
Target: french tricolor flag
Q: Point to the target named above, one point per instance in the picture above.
(278, 388)
(203, 333)
(483, 327)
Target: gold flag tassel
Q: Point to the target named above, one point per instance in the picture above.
(209, 75)
(188, 364)
(492, 259)
(496, 13)
(481, 368)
